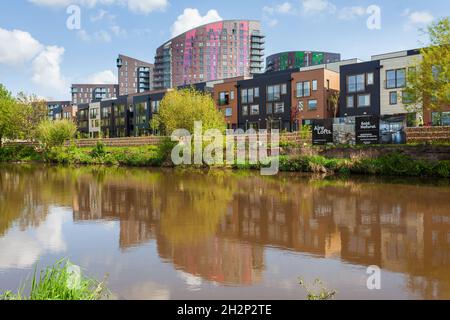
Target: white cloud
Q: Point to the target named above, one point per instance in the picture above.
(192, 18)
(118, 31)
(103, 77)
(136, 6)
(349, 13)
(317, 6)
(17, 47)
(102, 36)
(272, 22)
(102, 14)
(417, 19)
(99, 36)
(46, 69)
(283, 8)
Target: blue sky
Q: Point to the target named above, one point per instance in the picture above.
(39, 54)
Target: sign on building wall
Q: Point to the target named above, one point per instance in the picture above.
(322, 131)
(367, 130)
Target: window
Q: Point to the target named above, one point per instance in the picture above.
(393, 97)
(350, 102)
(364, 100)
(248, 95)
(279, 107)
(314, 85)
(395, 78)
(283, 89)
(232, 95)
(245, 110)
(223, 98)
(301, 105)
(356, 83)
(370, 79)
(254, 110)
(269, 108)
(312, 104)
(228, 112)
(406, 99)
(303, 89)
(155, 106)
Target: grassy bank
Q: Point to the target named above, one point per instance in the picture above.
(63, 281)
(394, 164)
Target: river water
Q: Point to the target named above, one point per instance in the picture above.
(172, 234)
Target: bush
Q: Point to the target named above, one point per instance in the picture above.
(19, 153)
(56, 133)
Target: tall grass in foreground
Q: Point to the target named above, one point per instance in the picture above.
(63, 281)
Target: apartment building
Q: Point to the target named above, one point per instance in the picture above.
(360, 87)
(135, 76)
(215, 51)
(144, 107)
(299, 59)
(83, 120)
(87, 93)
(58, 110)
(312, 95)
(264, 102)
(116, 118)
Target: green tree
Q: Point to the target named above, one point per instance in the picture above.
(9, 126)
(33, 111)
(55, 133)
(429, 80)
(181, 108)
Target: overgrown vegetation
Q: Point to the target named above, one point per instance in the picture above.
(63, 281)
(56, 133)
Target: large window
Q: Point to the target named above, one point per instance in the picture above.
(441, 118)
(395, 78)
(279, 107)
(350, 101)
(224, 98)
(314, 85)
(93, 113)
(363, 100)
(249, 95)
(274, 92)
(303, 89)
(393, 97)
(155, 106)
(140, 113)
(356, 83)
(245, 110)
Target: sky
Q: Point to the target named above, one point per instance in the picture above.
(45, 45)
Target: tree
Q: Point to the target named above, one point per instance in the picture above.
(334, 102)
(8, 126)
(56, 133)
(181, 108)
(428, 82)
(33, 111)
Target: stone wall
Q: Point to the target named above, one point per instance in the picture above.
(428, 134)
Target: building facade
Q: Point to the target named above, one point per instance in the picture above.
(214, 51)
(226, 99)
(264, 102)
(360, 89)
(299, 59)
(58, 110)
(312, 95)
(87, 93)
(135, 76)
(116, 118)
(144, 107)
(83, 120)
(94, 120)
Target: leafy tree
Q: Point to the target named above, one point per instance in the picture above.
(33, 111)
(334, 102)
(55, 133)
(181, 108)
(9, 127)
(429, 80)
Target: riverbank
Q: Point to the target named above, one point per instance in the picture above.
(387, 164)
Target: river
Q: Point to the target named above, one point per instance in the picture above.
(173, 234)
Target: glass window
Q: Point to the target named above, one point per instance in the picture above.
(364, 100)
(245, 110)
(256, 92)
(393, 97)
(390, 79)
(360, 82)
(301, 105)
(314, 85)
(232, 94)
(312, 104)
(370, 79)
(401, 78)
(406, 99)
(254, 110)
(244, 96)
(306, 89)
(279, 107)
(283, 89)
(250, 95)
(299, 89)
(276, 92)
(395, 78)
(269, 108)
(350, 102)
(228, 112)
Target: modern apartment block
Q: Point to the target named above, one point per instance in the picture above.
(83, 120)
(214, 51)
(299, 59)
(265, 101)
(144, 107)
(58, 110)
(135, 76)
(116, 118)
(87, 93)
(360, 89)
(226, 99)
(94, 120)
(312, 95)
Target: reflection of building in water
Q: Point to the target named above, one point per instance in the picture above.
(360, 223)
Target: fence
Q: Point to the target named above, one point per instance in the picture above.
(428, 134)
(118, 142)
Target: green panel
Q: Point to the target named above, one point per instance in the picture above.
(299, 59)
(317, 58)
(284, 61)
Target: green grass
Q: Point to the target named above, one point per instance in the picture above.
(59, 282)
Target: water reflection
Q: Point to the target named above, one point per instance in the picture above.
(217, 226)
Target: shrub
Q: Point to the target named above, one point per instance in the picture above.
(56, 133)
